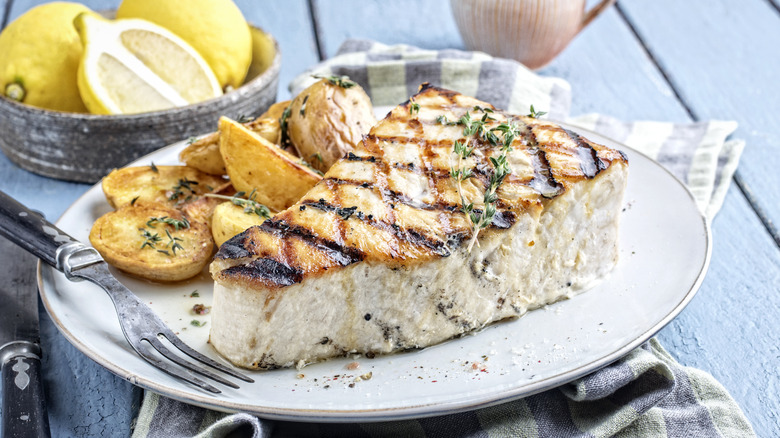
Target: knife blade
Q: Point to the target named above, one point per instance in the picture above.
(23, 403)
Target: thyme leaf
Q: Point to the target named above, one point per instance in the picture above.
(149, 239)
(178, 189)
(285, 142)
(243, 118)
(175, 223)
(341, 81)
(414, 108)
(536, 114)
(251, 206)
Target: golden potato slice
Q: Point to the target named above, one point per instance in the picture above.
(203, 154)
(254, 164)
(230, 219)
(170, 185)
(144, 240)
(328, 120)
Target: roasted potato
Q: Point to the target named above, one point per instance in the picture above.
(170, 185)
(202, 209)
(328, 120)
(276, 110)
(253, 163)
(230, 219)
(153, 241)
(203, 154)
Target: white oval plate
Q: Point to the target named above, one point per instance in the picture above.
(664, 253)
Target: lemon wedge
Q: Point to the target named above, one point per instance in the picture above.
(132, 66)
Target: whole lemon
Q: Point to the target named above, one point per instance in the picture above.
(40, 57)
(215, 28)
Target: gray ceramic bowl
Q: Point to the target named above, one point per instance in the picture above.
(85, 147)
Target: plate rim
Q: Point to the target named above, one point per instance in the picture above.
(419, 410)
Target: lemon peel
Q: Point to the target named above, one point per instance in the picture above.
(215, 28)
(40, 57)
(132, 66)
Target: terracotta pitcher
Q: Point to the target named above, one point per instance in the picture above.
(530, 31)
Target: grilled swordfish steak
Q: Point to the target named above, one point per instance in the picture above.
(375, 258)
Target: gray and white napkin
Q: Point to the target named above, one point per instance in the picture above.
(644, 394)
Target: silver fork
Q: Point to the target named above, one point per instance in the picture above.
(143, 329)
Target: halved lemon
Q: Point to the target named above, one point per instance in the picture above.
(133, 66)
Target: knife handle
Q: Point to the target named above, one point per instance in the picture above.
(24, 407)
(30, 230)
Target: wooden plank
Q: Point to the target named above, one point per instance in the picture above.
(290, 23)
(426, 24)
(723, 60)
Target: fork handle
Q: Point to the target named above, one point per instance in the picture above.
(30, 230)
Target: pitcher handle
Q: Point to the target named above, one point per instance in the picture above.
(595, 12)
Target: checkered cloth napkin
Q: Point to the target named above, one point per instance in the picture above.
(645, 394)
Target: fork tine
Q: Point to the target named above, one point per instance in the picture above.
(162, 349)
(178, 373)
(189, 351)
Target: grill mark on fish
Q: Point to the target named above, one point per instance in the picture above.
(340, 254)
(590, 163)
(267, 270)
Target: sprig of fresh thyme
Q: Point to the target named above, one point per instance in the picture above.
(178, 189)
(502, 135)
(175, 223)
(149, 239)
(251, 206)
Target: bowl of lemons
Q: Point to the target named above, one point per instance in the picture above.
(82, 92)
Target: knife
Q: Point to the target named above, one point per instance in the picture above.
(23, 403)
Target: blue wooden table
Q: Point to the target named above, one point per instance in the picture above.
(665, 60)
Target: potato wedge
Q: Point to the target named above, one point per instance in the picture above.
(203, 154)
(255, 164)
(230, 219)
(327, 120)
(137, 239)
(170, 185)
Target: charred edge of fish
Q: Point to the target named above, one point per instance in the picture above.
(338, 253)
(267, 269)
(344, 212)
(590, 163)
(234, 248)
(441, 92)
(352, 157)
